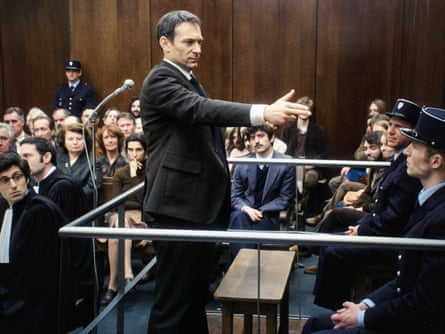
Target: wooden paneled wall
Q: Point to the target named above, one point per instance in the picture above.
(342, 53)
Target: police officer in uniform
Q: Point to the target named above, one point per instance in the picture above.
(74, 95)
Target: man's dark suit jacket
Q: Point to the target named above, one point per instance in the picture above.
(185, 179)
(279, 187)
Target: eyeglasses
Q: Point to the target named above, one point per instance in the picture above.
(16, 177)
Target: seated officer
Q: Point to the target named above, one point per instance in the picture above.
(260, 192)
(414, 301)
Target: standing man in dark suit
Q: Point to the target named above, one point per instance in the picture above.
(74, 95)
(414, 301)
(394, 203)
(187, 179)
(260, 192)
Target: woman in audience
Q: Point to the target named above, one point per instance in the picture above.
(124, 179)
(110, 143)
(75, 161)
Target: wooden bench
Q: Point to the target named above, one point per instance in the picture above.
(238, 290)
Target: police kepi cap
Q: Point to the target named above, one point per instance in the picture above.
(72, 64)
(430, 128)
(406, 110)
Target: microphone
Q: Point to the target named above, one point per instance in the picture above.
(128, 84)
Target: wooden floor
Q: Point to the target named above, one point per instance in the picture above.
(215, 324)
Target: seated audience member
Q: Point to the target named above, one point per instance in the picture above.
(15, 118)
(110, 144)
(86, 113)
(124, 179)
(394, 202)
(71, 119)
(260, 192)
(236, 145)
(110, 116)
(306, 140)
(49, 181)
(413, 302)
(372, 144)
(134, 107)
(127, 123)
(32, 114)
(44, 128)
(75, 162)
(29, 253)
(59, 116)
(7, 138)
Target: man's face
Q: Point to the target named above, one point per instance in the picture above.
(418, 162)
(73, 76)
(35, 160)
(5, 141)
(185, 49)
(135, 108)
(395, 138)
(135, 151)
(372, 151)
(41, 129)
(13, 120)
(261, 142)
(13, 185)
(58, 118)
(127, 126)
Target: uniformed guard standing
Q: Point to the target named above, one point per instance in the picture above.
(74, 95)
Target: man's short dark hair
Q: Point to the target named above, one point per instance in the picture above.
(265, 128)
(7, 160)
(167, 23)
(374, 138)
(42, 146)
(136, 137)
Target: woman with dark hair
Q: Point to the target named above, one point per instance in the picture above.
(75, 161)
(124, 179)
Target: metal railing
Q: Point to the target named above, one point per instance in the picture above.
(77, 230)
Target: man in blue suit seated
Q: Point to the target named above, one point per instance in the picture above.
(414, 301)
(260, 192)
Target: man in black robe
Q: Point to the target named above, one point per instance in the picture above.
(51, 182)
(29, 253)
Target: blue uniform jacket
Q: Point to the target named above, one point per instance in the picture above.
(83, 96)
(414, 302)
(394, 203)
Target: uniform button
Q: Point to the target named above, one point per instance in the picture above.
(399, 257)
(398, 273)
(399, 290)
(373, 214)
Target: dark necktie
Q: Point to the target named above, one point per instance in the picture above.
(216, 133)
(73, 88)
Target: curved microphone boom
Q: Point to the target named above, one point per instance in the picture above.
(128, 84)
